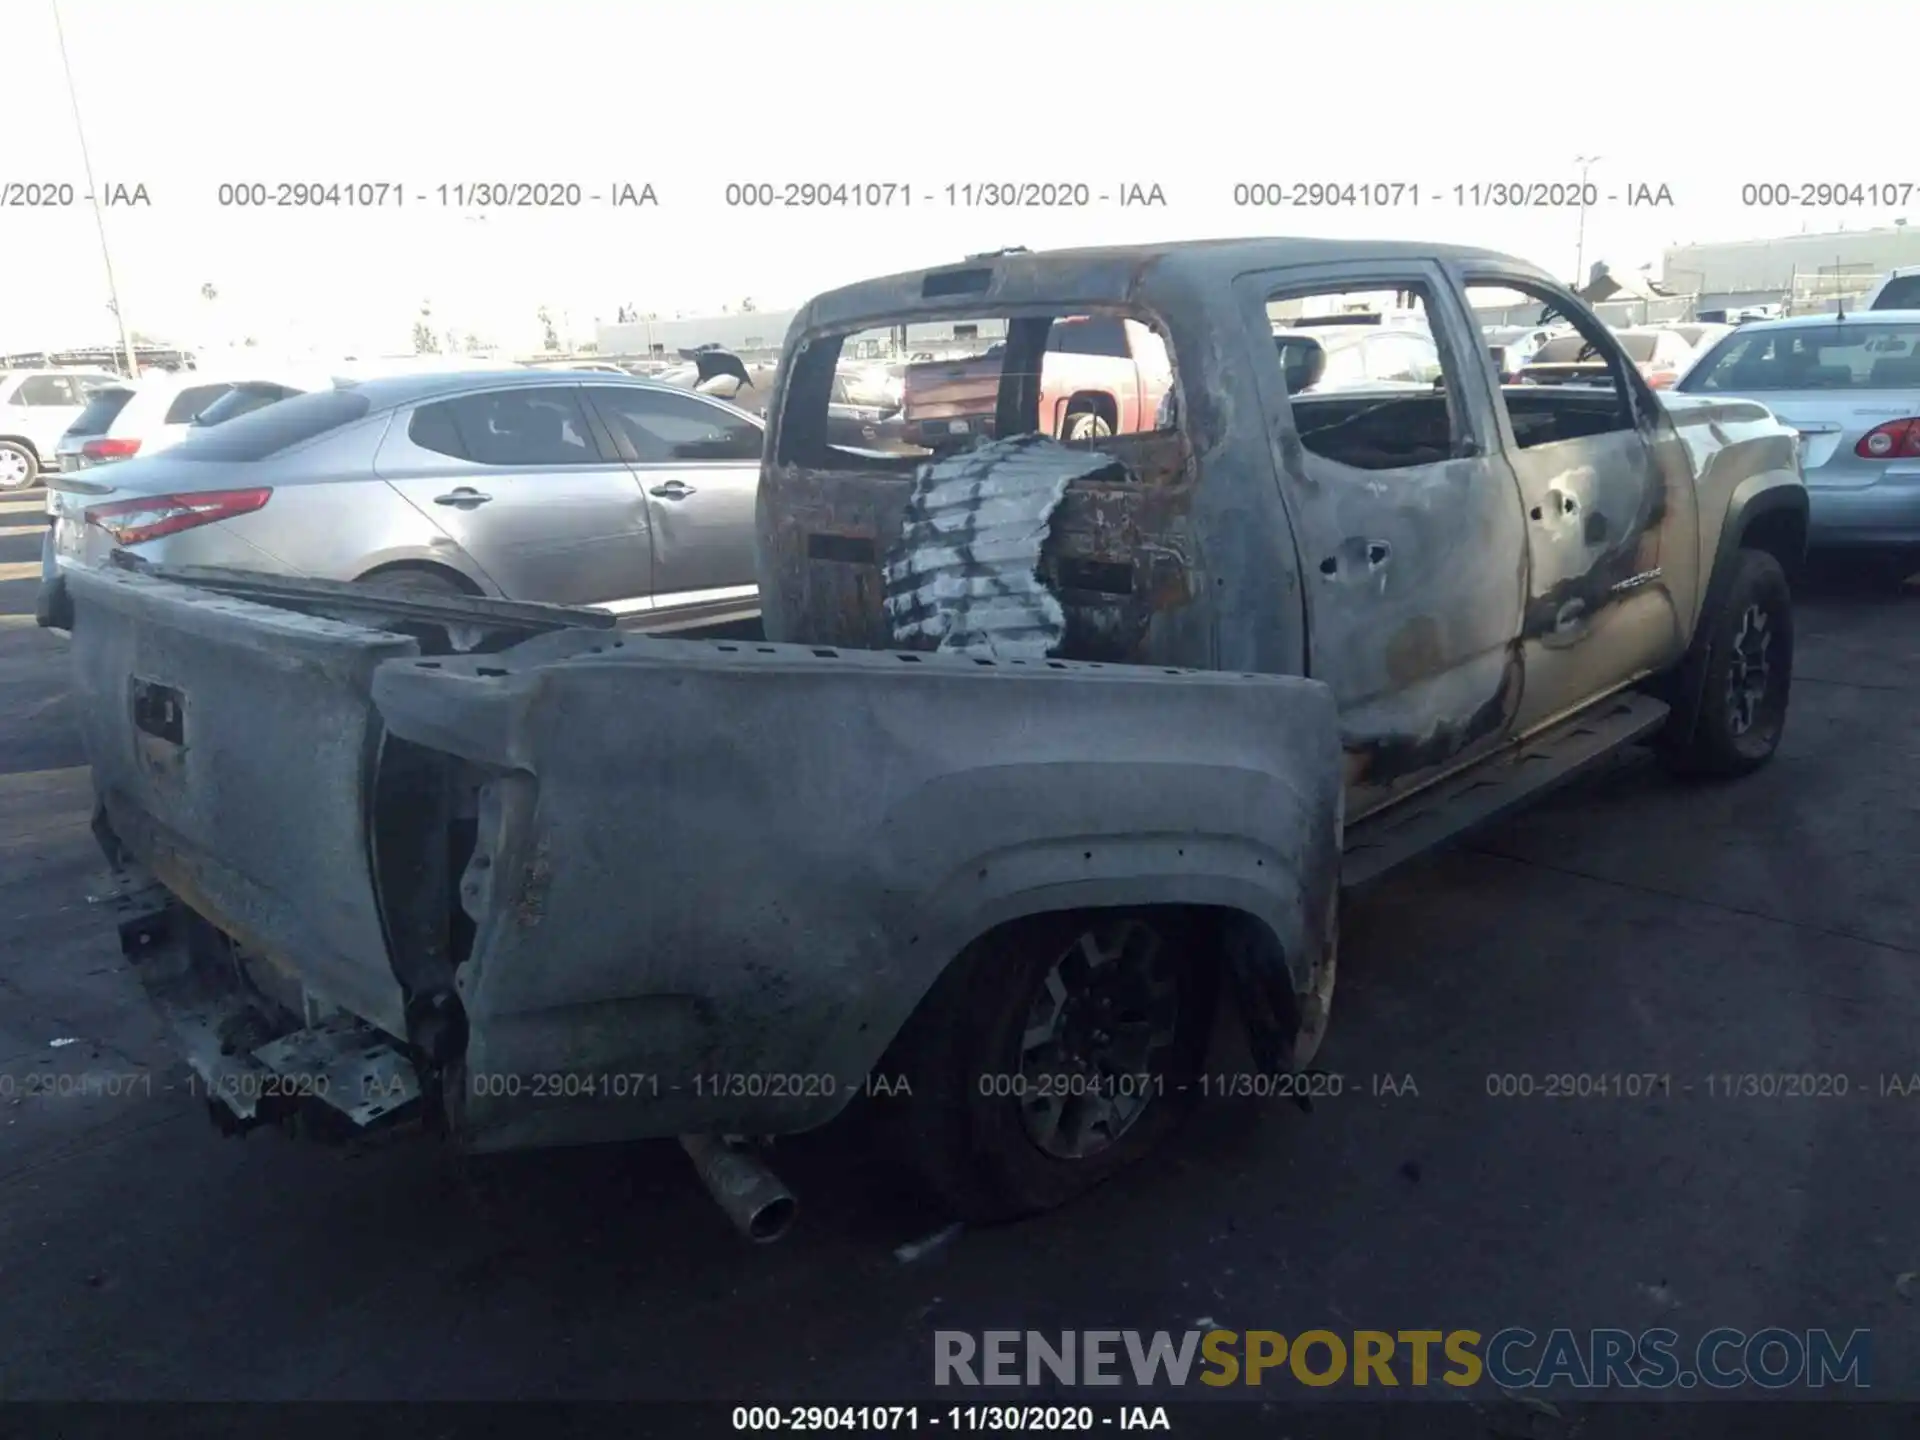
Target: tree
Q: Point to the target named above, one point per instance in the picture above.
(471, 344)
(425, 342)
(747, 307)
(208, 293)
(551, 340)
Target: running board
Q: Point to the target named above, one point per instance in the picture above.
(1462, 803)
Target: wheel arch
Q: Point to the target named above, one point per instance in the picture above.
(459, 577)
(1766, 512)
(1280, 989)
(1099, 402)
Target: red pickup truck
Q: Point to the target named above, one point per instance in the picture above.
(1100, 375)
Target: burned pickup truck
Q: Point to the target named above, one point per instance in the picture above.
(1056, 743)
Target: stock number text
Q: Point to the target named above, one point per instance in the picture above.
(1817, 194)
(311, 194)
(817, 195)
(1326, 194)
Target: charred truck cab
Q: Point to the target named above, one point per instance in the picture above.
(1471, 567)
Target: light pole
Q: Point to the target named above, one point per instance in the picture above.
(93, 194)
(1585, 162)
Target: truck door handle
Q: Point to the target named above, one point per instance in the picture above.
(672, 490)
(463, 497)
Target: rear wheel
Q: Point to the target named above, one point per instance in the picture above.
(1055, 1052)
(1085, 425)
(1743, 703)
(19, 466)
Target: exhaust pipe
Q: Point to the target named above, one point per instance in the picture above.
(761, 1208)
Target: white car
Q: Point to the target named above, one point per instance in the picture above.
(1702, 337)
(1514, 345)
(1900, 290)
(36, 407)
(145, 416)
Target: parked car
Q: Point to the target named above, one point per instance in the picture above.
(1514, 345)
(1900, 290)
(138, 417)
(36, 407)
(1660, 355)
(1701, 335)
(913, 835)
(101, 434)
(1850, 387)
(878, 384)
(605, 491)
(862, 426)
(1098, 375)
(597, 367)
(246, 396)
(1317, 360)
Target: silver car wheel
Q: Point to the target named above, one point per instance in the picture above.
(1105, 1007)
(16, 467)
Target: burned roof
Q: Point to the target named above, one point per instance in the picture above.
(1111, 274)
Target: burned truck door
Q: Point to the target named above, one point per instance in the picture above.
(1606, 521)
(1411, 535)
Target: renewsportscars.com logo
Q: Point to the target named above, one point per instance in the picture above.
(1514, 1358)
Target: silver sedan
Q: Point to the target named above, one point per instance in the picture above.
(1851, 386)
(595, 490)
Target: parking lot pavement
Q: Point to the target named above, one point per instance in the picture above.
(1632, 926)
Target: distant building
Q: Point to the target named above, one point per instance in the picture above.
(765, 331)
(749, 331)
(1803, 272)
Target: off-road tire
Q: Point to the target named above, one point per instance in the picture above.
(971, 1150)
(1754, 621)
(18, 454)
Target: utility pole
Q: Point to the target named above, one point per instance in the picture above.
(1585, 162)
(93, 194)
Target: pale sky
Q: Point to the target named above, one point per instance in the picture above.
(184, 95)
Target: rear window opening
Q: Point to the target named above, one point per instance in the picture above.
(276, 427)
(896, 396)
(102, 408)
(1900, 293)
(243, 399)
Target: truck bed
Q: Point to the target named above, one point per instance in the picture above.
(564, 849)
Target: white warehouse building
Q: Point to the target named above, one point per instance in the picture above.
(1807, 272)
(763, 331)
